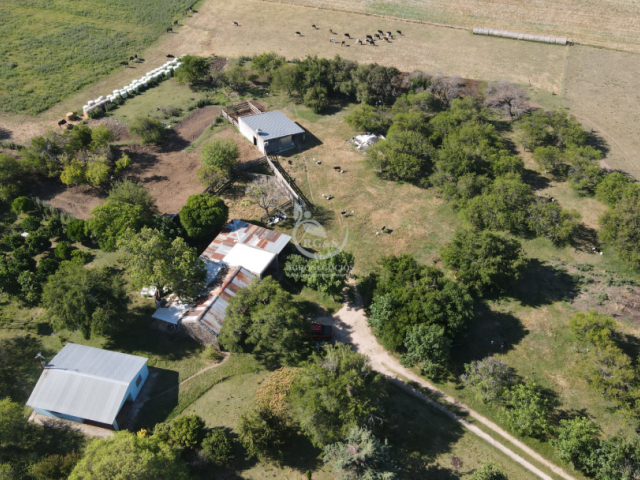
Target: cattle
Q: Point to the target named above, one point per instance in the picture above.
(126, 64)
(386, 40)
(369, 37)
(175, 22)
(332, 40)
(314, 27)
(380, 32)
(169, 30)
(191, 9)
(131, 59)
(388, 34)
(170, 56)
(346, 35)
(343, 43)
(377, 36)
(298, 34)
(62, 122)
(398, 32)
(358, 42)
(235, 24)
(331, 31)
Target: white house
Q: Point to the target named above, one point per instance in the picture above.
(271, 132)
(89, 385)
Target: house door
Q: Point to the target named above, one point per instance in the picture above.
(255, 141)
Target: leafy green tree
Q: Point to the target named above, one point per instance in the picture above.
(485, 260)
(376, 83)
(381, 311)
(427, 346)
(46, 267)
(22, 205)
(610, 371)
(366, 118)
(316, 98)
(235, 77)
(620, 228)
(404, 155)
(360, 456)
(73, 173)
(264, 319)
(76, 230)
(217, 447)
(7, 472)
(154, 260)
(337, 390)
(14, 241)
(194, 69)
(13, 178)
(489, 378)
(187, 431)
(93, 301)
(592, 328)
(203, 216)
(218, 158)
(101, 137)
(78, 139)
(167, 226)
(584, 176)
(111, 220)
(262, 432)
(285, 78)
(138, 458)
(30, 224)
(328, 275)
(29, 286)
(550, 220)
(528, 410)
(14, 428)
(578, 439)
(149, 130)
(267, 62)
(55, 467)
(422, 295)
(489, 471)
(38, 243)
(133, 193)
(614, 186)
(63, 250)
(97, 170)
(410, 122)
(618, 458)
(550, 158)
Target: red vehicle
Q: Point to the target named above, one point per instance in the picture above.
(321, 333)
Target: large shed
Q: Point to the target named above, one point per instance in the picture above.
(89, 385)
(271, 132)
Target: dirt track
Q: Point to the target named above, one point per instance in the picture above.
(350, 326)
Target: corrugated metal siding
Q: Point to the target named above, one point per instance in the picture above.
(272, 125)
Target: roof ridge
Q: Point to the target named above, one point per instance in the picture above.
(88, 375)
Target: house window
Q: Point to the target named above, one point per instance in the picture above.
(138, 380)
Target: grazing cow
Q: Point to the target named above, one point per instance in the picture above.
(343, 43)
(170, 56)
(372, 43)
(191, 9)
(331, 31)
(298, 34)
(369, 37)
(169, 30)
(380, 32)
(62, 122)
(235, 24)
(387, 40)
(131, 59)
(398, 32)
(175, 22)
(388, 34)
(358, 42)
(136, 56)
(346, 35)
(126, 64)
(377, 36)
(314, 27)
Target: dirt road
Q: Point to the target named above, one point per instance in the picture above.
(350, 326)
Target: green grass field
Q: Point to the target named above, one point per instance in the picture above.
(52, 48)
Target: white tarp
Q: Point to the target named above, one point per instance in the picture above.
(365, 140)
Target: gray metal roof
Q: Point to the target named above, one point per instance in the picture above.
(86, 382)
(272, 124)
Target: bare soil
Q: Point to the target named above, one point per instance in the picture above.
(167, 170)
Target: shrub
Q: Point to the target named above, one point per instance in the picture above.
(97, 170)
(149, 130)
(123, 162)
(187, 431)
(22, 205)
(489, 378)
(73, 173)
(194, 69)
(81, 256)
(101, 136)
(217, 447)
(133, 193)
(427, 346)
(63, 250)
(14, 241)
(220, 155)
(488, 471)
(578, 439)
(55, 467)
(203, 216)
(263, 434)
(76, 230)
(528, 410)
(38, 243)
(592, 328)
(30, 224)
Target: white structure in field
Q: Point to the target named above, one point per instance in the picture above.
(271, 132)
(89, 385)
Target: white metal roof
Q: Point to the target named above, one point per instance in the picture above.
(250, 258)
(272, 124)
(86, 382)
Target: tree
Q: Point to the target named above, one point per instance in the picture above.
(610, 371)
(620, 228)
(73, 173)
(485, 260)
(55, 467)
(13, 177)
(203, 216)
(578, 439)
(366, 118)
(489, 378)
(136, 458)
(264, 319)
(149, 130)
(550, 220)
(585, 175)
(101, 136)
(262, 432)
(111, 220)
(375, 83)
(14, 428)
(446, 89)
(78, 139)
(592, 328)
(194, 69)
(133, 193)
(550, 157)
(266, 193)
(360, 456)
(76, 230)
(507, 97)
(427, 346)
(218, 158)
(93, 301)
(217, 447)
(154, 260)
(97, 169)
(328, 275)
(38, 243)
(316, 98)
(22, 205)
(381, 311)
(266, 63)
(187, 431)
(528, 410)
(235, 77)
(614, 186)
(63, 250)
(618, 458)
(489, 471)
(285, 78)
(404, 155)
(337, 390)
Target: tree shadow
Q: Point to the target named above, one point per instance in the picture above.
(543, 284)
(597, 141)
(584, 238)
(535, 180)
(4, 134)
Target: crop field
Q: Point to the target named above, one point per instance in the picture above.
(52, 48)
(608, 23)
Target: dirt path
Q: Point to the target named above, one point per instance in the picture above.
(350, 326)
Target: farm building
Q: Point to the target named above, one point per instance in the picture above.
(241, 252)
(271, 132)
(89, 385)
